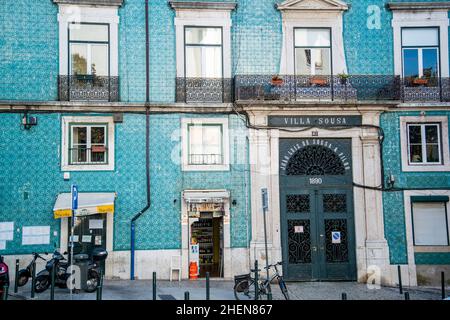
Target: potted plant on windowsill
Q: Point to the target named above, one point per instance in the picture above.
(319, 80)
(420, 81)
(343, 78)
(277, 80)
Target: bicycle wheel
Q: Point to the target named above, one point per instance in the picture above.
(245, 290)
(283, 288)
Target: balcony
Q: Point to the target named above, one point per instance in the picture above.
(205, 159)
(88, 88)
(349, 88)
(88, 156)
(200, 90)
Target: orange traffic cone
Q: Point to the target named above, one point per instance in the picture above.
(193, 269)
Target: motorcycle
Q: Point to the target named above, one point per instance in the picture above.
(25, 274)
(4, 275)
(43, 278)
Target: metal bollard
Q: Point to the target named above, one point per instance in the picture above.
(100, 288)
(207, 287)
(406, 295)
(52, 284)
(186, 295)
(154, 285)
(400, 286)
(256, 280)
(344, 296)
(443, 285)
(5, 292)
(33, 280)
(16, 280)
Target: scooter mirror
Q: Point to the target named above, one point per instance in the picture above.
(65, 252)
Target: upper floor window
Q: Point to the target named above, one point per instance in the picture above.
(420, 52)
(203, 52)
(312, 51)
(424, 143)
(89, 49)
(205, 144)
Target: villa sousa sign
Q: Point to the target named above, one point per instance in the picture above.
(314, 121)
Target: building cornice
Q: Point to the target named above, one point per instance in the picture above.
(319, 5)
(203, 5)
(108, 3)
(445, 5)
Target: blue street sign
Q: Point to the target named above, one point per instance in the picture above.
(74, 197)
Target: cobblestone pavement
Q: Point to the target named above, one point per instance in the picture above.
(223, 290)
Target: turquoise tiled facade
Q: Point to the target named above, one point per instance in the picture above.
(29, 66)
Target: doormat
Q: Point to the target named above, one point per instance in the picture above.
(167, 297)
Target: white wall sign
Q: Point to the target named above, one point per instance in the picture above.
(96, 224)
(299, 229)
(6, 231)
(36, 235)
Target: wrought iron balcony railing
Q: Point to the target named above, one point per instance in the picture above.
(88, 156)
(88, 88)
(348, 88)
(214, 90)
(205, 159)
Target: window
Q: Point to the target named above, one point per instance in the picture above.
(424, 146)
(312, 51)
(88, 144)
(420, 52)
(205, 144)
(203, 52)
(430, 226)
(89, 49)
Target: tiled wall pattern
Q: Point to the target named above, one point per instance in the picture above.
(27, 196)
(394, 211)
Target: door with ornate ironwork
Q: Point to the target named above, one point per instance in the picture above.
(317, 220)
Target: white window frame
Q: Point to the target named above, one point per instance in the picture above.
(424, 143)
(185, 123)
(201, 17)
(67, 123)
(88, 14)
(444, 164)
(88, 142)
(417, 19)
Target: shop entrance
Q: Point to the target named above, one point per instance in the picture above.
(89, 233)
(206, 238)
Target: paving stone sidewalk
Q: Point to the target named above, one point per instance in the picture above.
(223, 290)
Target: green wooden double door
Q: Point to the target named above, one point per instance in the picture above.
(317, 218)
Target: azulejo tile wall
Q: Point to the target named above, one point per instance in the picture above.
(394, 211)
(31, 179)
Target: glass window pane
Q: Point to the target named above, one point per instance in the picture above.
(195, 140)
(312, 38)
(79, 58)
(430, 227)
(411, 62)
(79, 135)
(204, 36)
(98, 135)
(203, 62)
(430, 62)
(433, 153)
(415, 154)
(432, 134)
(415, 134)
(212, 139)
(311, 61)
(417, 37)
(88, 32)
(99, 56)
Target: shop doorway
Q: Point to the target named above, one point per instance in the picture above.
(206, 241)
(89, 233)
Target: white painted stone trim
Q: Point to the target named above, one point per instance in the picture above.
(88, 14)
(422, 18)
(203, 18)
(312, 19)
(185, 144)
(445, 154)
(65, 143)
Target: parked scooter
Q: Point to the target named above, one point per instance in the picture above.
(25, 274)
(43, 278)
(4, 275)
